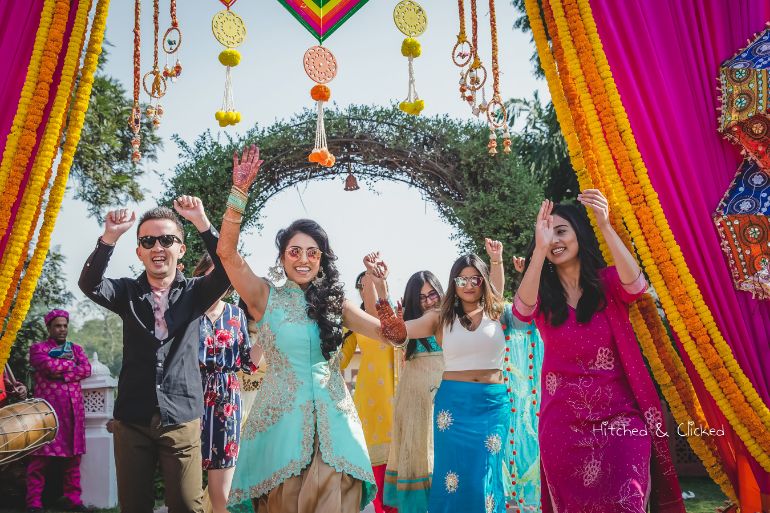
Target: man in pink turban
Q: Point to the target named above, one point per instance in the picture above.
(59, 367)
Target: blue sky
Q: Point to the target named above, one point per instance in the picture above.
(270, 84)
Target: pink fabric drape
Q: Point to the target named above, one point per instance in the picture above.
(12, 101)
(18, 26)
(665, 58)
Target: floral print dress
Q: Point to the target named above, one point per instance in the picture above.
(224, 349)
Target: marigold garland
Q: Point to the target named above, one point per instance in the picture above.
(33, 70)
(706, 454)
(30, 207)
(35, 112)
(77, 118)
(673, 276)
(636, 163)
(660, 265)
(652, 346)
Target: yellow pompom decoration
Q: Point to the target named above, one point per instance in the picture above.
(230, 57)
(410, 47)
(229, 117)
(412, 108)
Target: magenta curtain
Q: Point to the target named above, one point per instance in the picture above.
(665, 58)
(14, 55)
(18, 26)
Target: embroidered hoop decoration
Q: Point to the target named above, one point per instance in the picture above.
(320, 64)
(410, 18)
(228, 28)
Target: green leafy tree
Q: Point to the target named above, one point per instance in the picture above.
(446, 159)
(51, 292)
(541, 148)
(102, 171)
(101, 333)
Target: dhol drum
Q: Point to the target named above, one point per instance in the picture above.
(26, 427)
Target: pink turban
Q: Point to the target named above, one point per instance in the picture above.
(53, 314)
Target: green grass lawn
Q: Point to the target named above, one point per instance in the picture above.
(708, 496)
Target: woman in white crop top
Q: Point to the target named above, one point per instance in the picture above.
(485, 350)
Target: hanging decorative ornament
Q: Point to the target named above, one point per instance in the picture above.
(172, 41)
(411, 20)
(135, 121)
(497, 117)
(153, 82)
(351, 184)
(473, 79)
(230, 30)
(462, 52)
(321, 67)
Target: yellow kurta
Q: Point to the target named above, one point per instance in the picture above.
(375, 388)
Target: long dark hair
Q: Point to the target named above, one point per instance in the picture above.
(491, 299)
(553, 298)
(325, 294)
(413, 308)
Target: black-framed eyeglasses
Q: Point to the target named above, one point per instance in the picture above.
(430, 296)
(474, 281)
(148, 241)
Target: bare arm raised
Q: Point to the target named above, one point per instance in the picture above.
(253, 289)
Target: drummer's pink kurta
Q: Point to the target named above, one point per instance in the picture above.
(57, 380)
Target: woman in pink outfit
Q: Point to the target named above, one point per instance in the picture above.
(603, 444)
(59, 367)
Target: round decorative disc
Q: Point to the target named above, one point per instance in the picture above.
(228, 28)
(320, 64)
(410, 18)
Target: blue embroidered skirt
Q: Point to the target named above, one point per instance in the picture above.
(470, 430)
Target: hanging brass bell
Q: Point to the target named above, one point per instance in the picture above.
(351, 184)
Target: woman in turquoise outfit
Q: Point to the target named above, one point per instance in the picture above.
(302, 445)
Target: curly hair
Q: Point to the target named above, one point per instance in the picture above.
(325, 295)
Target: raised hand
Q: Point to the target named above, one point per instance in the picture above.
(117, 223)
(595, 200)
(392, 326)
(544, 226)
(246, 167)
(494, 249)
(376, 266)
(191, 208)
(519, 263)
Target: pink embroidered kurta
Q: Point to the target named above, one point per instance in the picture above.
(57, 380)
(599, 452)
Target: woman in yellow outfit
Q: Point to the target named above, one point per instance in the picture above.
(373, 397)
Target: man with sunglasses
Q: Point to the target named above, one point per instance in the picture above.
(159, 402)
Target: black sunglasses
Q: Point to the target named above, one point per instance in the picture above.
(148, 241)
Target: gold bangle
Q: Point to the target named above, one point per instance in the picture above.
(231, 220)
(496, 262)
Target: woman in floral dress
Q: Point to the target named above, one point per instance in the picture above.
(224, 349)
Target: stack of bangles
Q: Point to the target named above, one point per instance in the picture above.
(237, 202)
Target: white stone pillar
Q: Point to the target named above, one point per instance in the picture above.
(97, 467)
